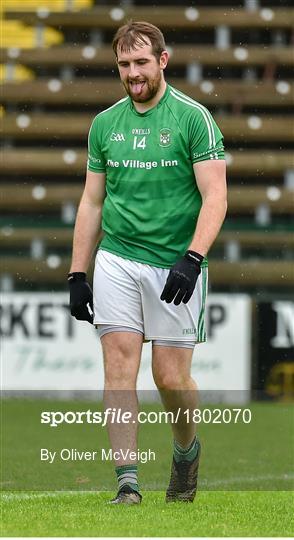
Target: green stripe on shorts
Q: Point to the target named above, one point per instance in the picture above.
(201, 333)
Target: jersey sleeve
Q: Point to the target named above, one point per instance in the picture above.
(96, 161)
(206, 139)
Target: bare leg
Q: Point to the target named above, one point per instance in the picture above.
(122, 354)
(171, 367)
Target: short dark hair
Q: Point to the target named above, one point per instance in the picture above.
(131, 35)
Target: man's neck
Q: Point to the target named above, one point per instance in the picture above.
(143, 107)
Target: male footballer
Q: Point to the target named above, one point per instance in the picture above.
(156, 187)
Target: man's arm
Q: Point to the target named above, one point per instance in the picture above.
(86, 234)
(88, 222)
(211, 181)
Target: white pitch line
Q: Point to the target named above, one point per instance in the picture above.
(246, 479)
(204, 484)
(44, 494)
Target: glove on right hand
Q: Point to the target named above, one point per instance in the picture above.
(182, 278)
(81, 297)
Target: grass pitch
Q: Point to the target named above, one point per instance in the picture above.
(246, 477)
(219, 513)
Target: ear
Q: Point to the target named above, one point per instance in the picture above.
(163, 61)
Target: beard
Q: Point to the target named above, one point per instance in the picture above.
(149, 89)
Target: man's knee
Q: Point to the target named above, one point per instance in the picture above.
(172, 381)
(119, 370)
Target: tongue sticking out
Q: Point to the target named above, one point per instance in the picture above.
(137, 87)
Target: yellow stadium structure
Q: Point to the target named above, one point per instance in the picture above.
(15, 73)
(51, 5)
(16, 34)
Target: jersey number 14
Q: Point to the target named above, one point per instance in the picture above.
(139, 143)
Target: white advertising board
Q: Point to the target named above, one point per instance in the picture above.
(44, 348)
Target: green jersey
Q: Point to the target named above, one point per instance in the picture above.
(152, 201)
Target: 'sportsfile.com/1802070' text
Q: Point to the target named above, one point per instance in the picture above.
(121, 416)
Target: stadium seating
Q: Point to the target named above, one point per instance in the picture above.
(54, 269)
(106, 91)
(61, 237)
(237, 127)
(237, 62)
(173, 17)
(52, 196)
(180, 55)
(68, 161)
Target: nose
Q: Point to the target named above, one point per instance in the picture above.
(134, 71)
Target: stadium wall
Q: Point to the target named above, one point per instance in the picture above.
(44, 348)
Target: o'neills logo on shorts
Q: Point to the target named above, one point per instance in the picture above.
(189, 331)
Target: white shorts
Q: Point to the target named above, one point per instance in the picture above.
(127, 294)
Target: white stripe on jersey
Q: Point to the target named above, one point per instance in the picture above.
(204, 110)
(114, 105)
(189, 101)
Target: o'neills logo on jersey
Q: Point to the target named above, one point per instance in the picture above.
(141, 131)
(165, 137)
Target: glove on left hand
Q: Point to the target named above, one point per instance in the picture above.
(81, 297)
(182, 278)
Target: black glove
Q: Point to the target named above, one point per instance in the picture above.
(81, 297)
(182, 277)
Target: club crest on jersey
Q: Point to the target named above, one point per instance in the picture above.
(165, 137)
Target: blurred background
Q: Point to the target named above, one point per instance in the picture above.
(57, 72)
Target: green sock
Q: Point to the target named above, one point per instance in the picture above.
(186, 454)
(127, 475)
